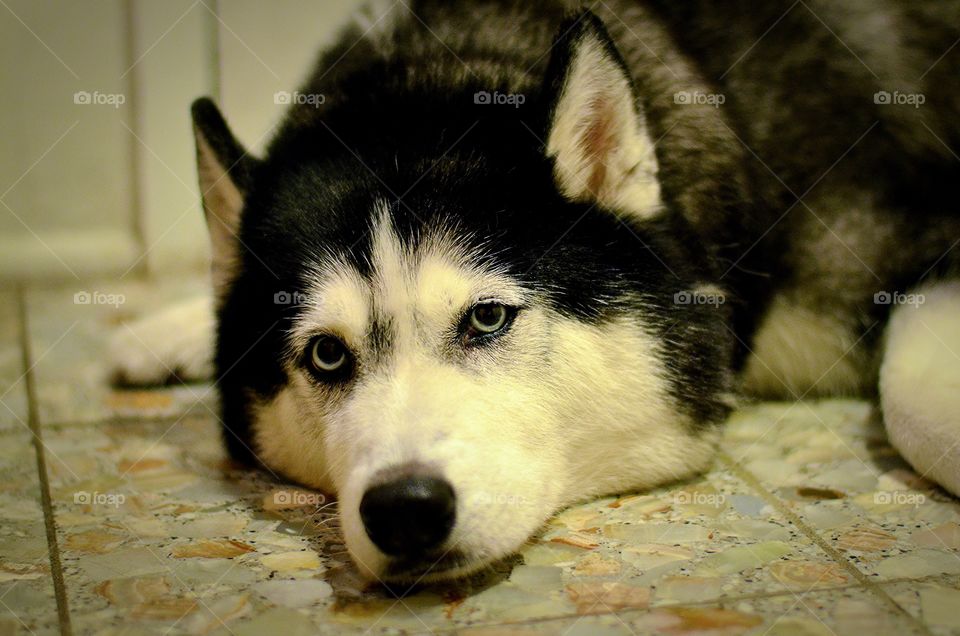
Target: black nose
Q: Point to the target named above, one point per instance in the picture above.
(410, 516)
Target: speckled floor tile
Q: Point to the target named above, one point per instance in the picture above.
(935, 602)
(816, 613)
(27, 602)
(831, 465)
(69, 330)
(158, 530)
(711, 538)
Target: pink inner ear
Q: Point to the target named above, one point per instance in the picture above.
(599, 141)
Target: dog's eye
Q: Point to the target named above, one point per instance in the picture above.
(487, 319)
(327, 354)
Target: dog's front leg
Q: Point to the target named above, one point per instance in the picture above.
(175, 344)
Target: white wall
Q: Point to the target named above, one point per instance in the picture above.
(94, 189)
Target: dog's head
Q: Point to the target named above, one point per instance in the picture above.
(460, 317)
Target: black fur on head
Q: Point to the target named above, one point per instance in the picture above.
(407, 129)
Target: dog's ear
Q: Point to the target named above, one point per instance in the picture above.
(225, 171)
(596, 131)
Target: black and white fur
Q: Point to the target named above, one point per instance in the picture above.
(591, 209)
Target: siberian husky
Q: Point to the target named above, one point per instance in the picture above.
(505, 255)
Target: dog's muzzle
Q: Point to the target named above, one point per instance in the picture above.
(409, 517)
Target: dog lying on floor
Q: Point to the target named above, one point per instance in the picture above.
(522, 254)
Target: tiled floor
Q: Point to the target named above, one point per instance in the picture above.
(809, 522)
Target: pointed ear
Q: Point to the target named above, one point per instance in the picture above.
(225, 170)
(597, 132)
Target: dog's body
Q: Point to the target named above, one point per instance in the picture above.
(701, 198)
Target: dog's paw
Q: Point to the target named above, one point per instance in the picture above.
(173, 345)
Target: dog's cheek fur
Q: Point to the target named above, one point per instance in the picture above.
(625, 430)
(288, 434)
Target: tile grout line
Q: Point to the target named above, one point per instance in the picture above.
(56, 569)
(811, 534)
(629, 612)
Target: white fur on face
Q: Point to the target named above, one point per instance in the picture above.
(554, 411)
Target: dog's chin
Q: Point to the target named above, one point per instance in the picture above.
(431, 569)
(436, 568)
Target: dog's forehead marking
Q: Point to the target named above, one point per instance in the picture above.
(434, 280)
(408, 291)
(392, 268)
